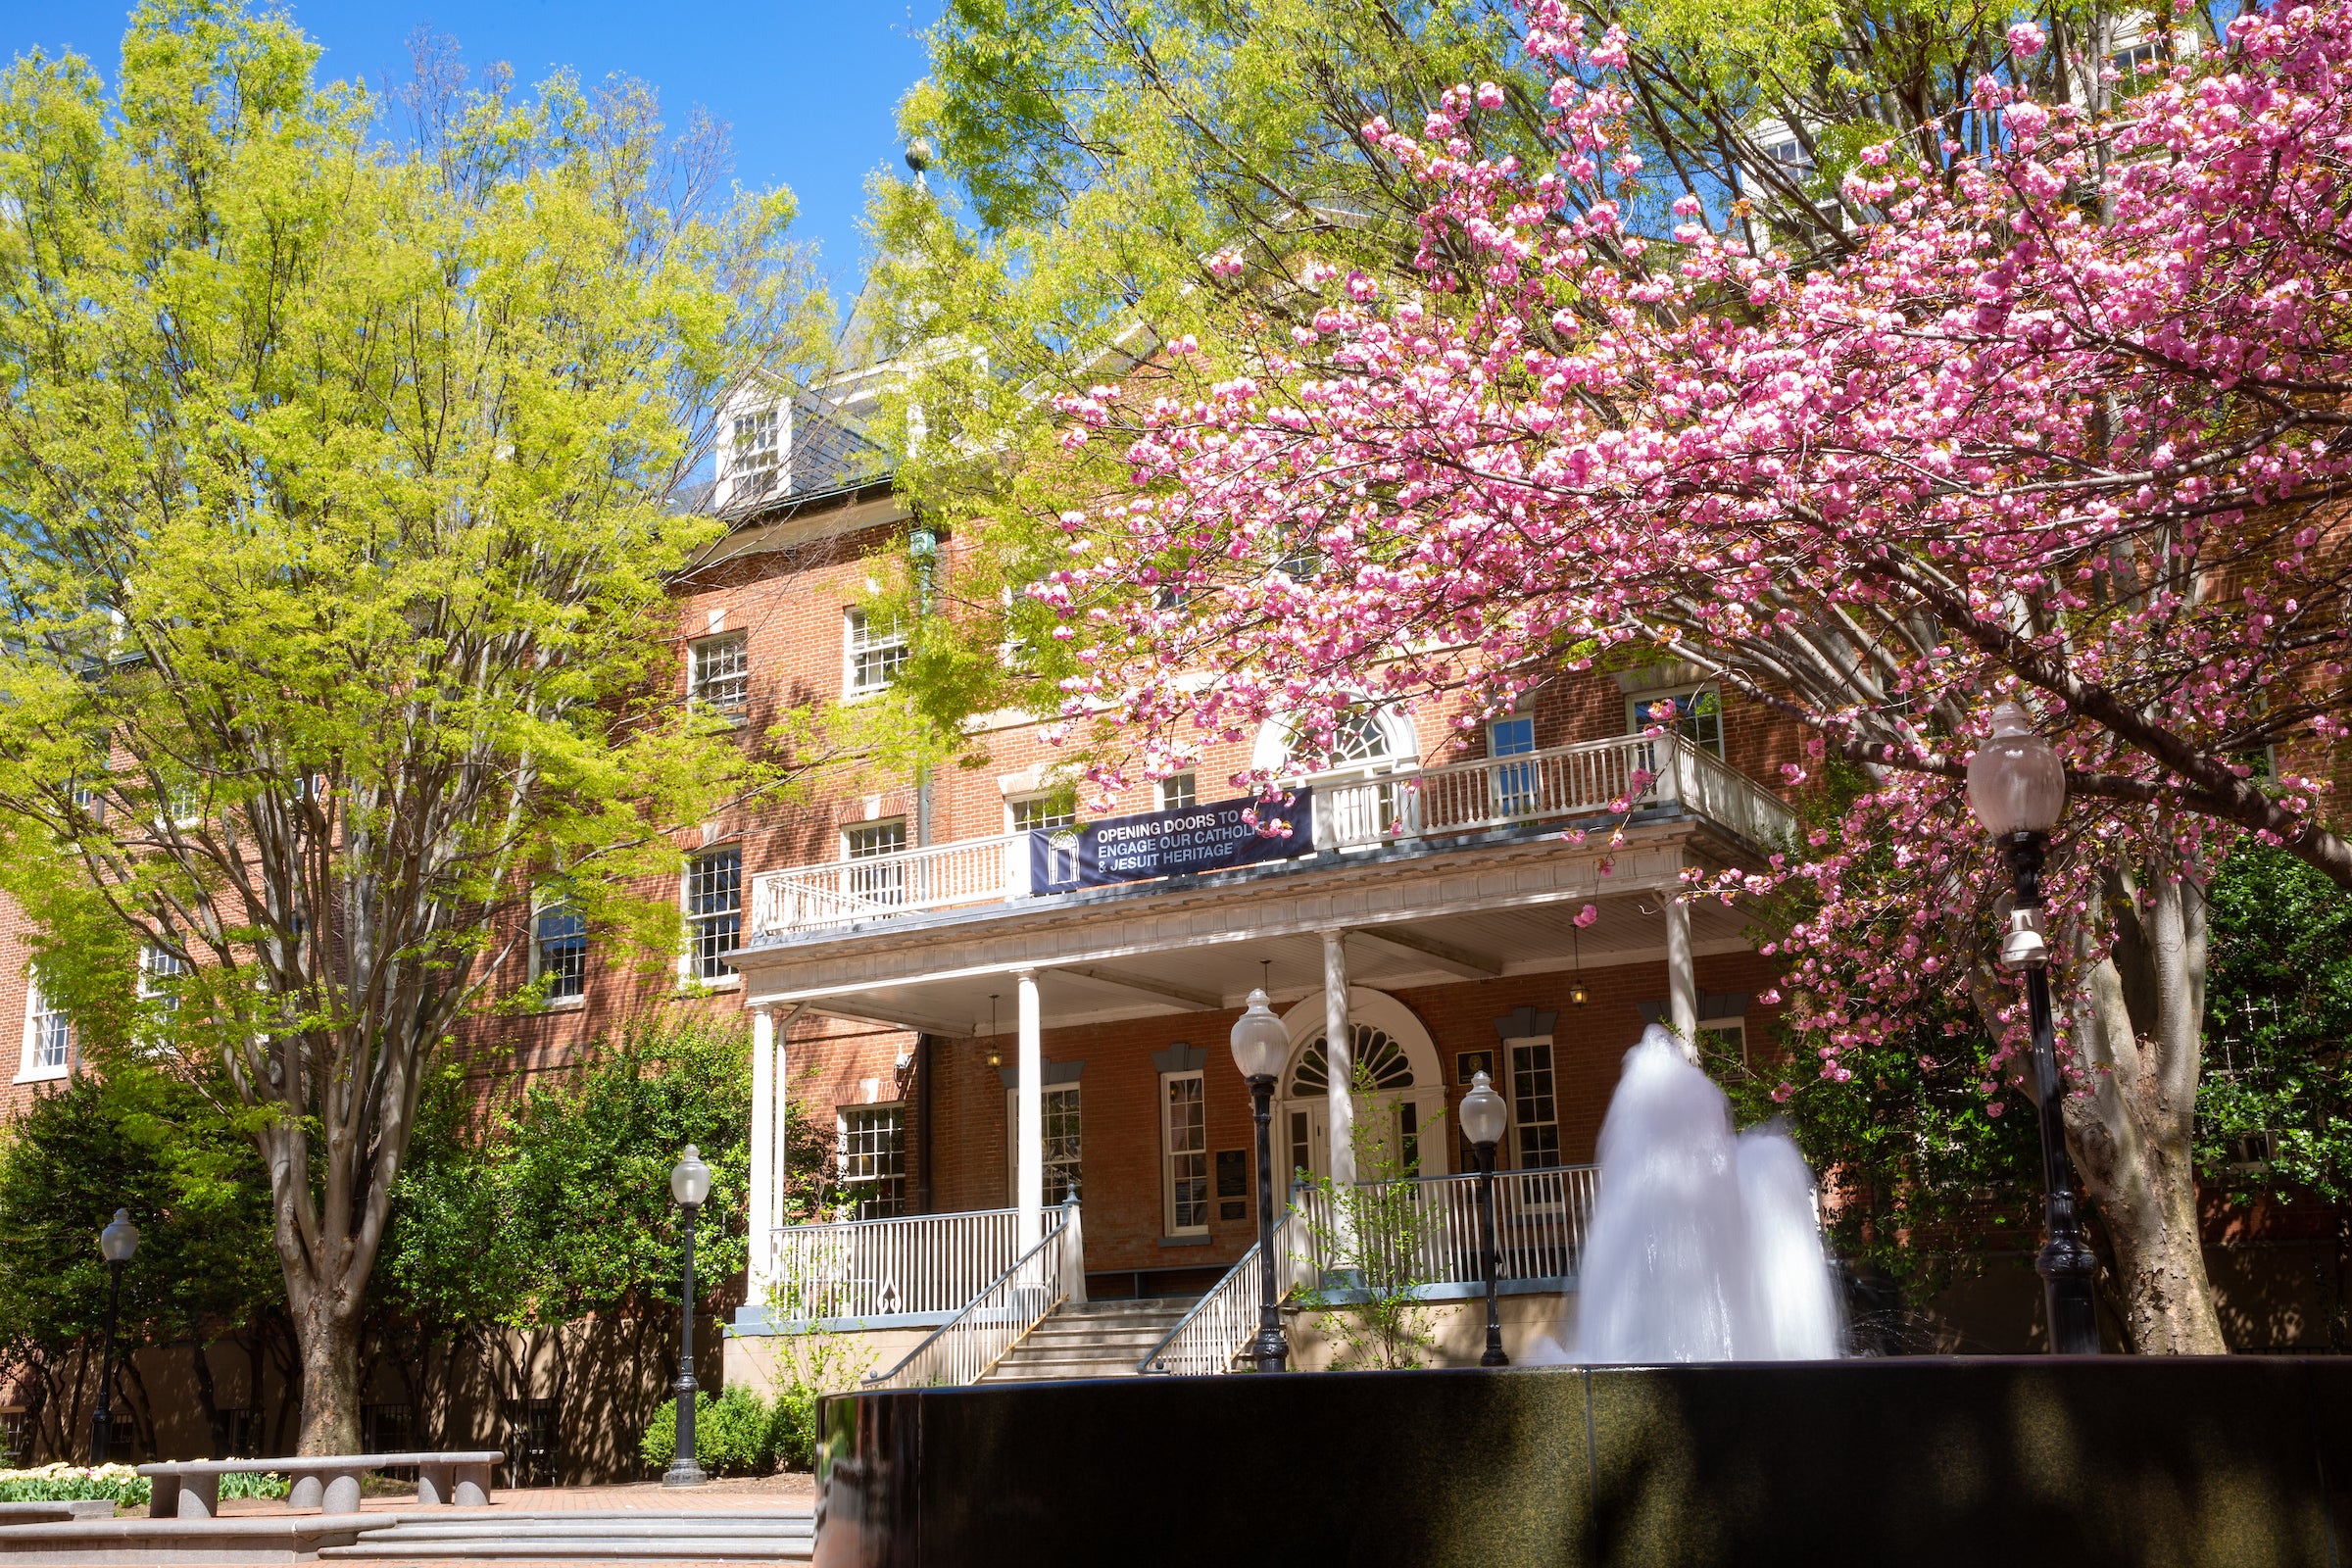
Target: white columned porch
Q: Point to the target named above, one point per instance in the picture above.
(1682, 977)
(767, 1173)
(1339, 1056)
(1029, 1114)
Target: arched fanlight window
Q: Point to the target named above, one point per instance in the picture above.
(1357, 741)
(1379, 1056)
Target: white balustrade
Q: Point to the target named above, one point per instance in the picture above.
(882, 1267)
(1590, 779)
(1541, 1217)
(964, 1348)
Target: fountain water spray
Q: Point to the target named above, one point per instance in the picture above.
(1704, 1247)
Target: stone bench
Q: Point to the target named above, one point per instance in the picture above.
(191, 1489)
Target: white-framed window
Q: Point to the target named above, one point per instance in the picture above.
(876, 652)
(714, 911)
(48, 1037)
(756, 451)
(1184, 1140)
(1535, 1104)
(2135, 59)
(1693, 710)
(1789, 153)
(872, 848)
(718, 677)
(183, 804)
(160, 971)
(559, 948)
(1724, 1037)
(1511, 786)
(873, 1159)
(1179, 794)
(1062, 1139)
(1045, 811)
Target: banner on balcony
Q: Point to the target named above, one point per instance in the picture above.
(1177, 843)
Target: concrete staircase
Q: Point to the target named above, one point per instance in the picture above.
(618, 1535)
(1094, 1340)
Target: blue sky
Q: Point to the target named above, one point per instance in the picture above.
(807, 86)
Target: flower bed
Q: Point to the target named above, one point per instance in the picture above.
(117, 1483)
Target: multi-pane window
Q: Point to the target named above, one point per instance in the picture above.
(719, 681)
(1724, 1037)
(877, 652)
(1512, 784)
(874, 1159)
(1060, 1107)
(1535, 1110)
(1179, 794)
(560, 949)
(714, 911)
(1697, 714)
(1042, 812)
(48, 1034)
(756, 451)
(875, 875)
(158, 970)
(1184, 1134)
(2131, 61)
(1790, 155)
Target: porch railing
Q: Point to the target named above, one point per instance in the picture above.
(881, 1267)
(1222, 1323)
(1592, 778)
(962, 1349)
(1541, 1217)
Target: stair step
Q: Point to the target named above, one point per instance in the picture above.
(613, 1548)
(707, 1525)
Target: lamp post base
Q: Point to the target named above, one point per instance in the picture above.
(684, 1476)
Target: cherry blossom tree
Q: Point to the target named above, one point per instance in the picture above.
(2065, 428)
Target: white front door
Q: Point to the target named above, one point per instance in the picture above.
(1407, 1121)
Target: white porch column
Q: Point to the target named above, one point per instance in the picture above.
(1029, 1116)
(766, 1174)
(1339, 1050)
(1681, 980)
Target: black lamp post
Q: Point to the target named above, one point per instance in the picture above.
(1484, 1114)
(2017, 788)
(1261, 1047)
(689, 1183)
(116, 1244)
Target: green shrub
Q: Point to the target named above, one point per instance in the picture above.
(249, 1484)
(807, 1367)
(67, 1482)
(734, 1434)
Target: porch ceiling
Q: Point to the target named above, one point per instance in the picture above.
(1406, 926)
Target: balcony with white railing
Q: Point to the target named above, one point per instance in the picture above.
(1540, 1219)
(1458, 802)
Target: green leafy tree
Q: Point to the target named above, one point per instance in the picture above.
(142, 1142)
(2275, 1103)
(532, 1222)
(1377, 1235)
(335, 507)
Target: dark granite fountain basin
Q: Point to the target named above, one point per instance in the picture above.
(2006, 1462)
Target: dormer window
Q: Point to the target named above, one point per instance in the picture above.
(758, 451)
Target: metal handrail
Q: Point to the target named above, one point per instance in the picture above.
(1208, 1336)
(985, 1330)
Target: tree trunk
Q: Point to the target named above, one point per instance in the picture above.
(2138, 1036)
(329, 1337)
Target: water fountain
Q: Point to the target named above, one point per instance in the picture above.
(1704, 1245)
(1709, 1423)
